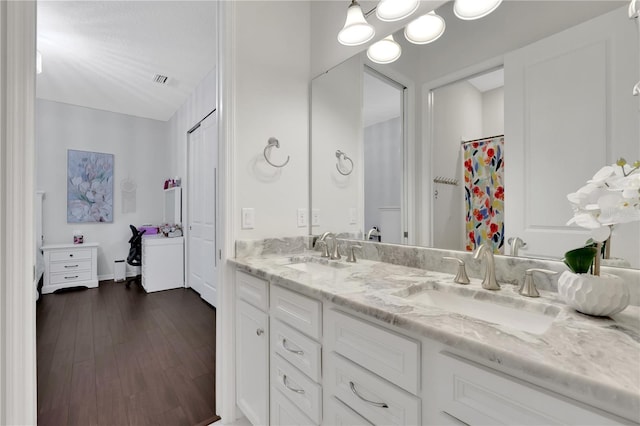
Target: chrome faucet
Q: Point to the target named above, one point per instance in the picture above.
(489, 282)
(516, 243)
(373, 232)
(334, 255)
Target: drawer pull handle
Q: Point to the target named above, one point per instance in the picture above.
(293, 351)
(375, 404)
(71, 266)
(259, 332)
(71, 255)
(286, 385)
(71, 278)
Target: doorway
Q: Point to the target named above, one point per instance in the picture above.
(384, 156)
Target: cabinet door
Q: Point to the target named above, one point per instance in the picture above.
(252, 363)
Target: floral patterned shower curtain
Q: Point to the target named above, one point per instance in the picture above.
(484, 192)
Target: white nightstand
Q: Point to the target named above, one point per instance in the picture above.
(70, 265)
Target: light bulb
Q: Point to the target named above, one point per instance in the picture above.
(384, 51)
(356, 29)
(395, 10)
(425, 29)
(474, 9)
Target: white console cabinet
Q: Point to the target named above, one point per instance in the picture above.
(70, 265)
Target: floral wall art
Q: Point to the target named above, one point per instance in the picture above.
(484, 193)
(89, 187)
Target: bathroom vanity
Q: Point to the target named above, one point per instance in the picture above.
(327, 342)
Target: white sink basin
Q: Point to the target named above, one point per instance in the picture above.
(312, 266)
(512, 317)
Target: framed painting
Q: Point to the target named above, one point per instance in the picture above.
(89, 187)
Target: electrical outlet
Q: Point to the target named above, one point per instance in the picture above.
(315, 217)
(248, 218)
(353, 216)
(303, 219)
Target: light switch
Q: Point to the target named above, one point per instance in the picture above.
(315, 217)
(248, 218)
(353, 216)
(303, 219)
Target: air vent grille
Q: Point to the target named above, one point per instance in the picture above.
(160, 79)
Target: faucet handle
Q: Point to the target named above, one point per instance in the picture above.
(528, 287)
(461, 275)
(351, 256)
(325, 248)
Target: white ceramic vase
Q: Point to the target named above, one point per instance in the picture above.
(600, 296)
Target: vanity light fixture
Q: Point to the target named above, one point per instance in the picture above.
(395, 10)
(356, 29)
(38, 62)
(425, 29)
(384, 51)
(474, 9)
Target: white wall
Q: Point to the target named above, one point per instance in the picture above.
(141, 152)
(272, 44)
(493, 112)
(457, 117)
(200, 103)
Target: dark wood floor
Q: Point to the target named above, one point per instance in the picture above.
(112, 356)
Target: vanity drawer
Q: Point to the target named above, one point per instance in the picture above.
(366, 394)
(70, 277)
(58, 255)
(253, 290)
(296, 348)
(67, 266)
(284, 412)
(300, 312)
(338, 414)
(387, 354)
(298, 388)
(476, 395)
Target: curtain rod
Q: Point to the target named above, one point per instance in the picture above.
(481, 139)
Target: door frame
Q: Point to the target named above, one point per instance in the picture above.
(18, 403)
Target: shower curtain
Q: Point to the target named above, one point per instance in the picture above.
(484, 192)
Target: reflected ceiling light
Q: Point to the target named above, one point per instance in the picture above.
(384, 51)
(425, 29)
(474, 9)
(38, 62)
(395, 10)
(356, 29)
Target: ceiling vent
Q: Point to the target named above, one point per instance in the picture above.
(160, 79)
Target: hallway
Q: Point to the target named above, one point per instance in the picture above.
(112, 356)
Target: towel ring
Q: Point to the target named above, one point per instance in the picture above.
(344, 157)
(267, 151)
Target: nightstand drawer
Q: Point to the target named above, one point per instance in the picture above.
(69, 266)
(69, 277)
(68, 254)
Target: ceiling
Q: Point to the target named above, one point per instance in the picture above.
(382, 100)
(104, 54)
(488, 81)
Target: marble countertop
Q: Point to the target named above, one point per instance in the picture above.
(595, 359)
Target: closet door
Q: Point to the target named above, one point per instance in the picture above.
(202, 198)
(568, 112)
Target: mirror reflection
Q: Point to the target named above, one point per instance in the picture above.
(480, 135)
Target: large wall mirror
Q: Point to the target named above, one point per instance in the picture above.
(525, 104)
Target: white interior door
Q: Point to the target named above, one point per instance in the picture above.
(568, 112)
(202, 261)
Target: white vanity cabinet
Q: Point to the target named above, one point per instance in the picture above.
(252, 347)
(373, 371)
(296, 357)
